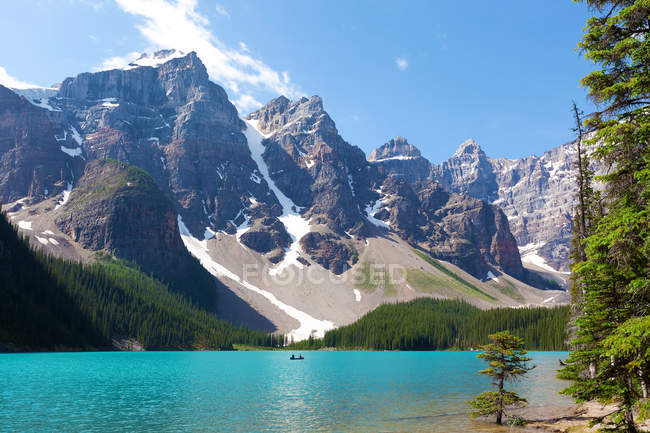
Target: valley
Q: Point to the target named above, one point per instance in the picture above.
(300, 230)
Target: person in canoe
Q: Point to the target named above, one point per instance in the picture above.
(294, 357)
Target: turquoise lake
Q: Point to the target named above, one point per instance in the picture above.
(254, 391)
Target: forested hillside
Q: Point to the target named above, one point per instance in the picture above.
(429, 324)
(48, 303)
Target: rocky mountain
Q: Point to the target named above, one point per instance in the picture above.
(31, 163)
(536, 193)
(399, 157)
(117, 208)
(153, 160)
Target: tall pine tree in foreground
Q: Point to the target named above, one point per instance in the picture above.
(506, 361)
(612, 255)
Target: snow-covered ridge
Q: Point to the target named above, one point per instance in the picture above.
(295, 224)
(308, 324)
(154, 60)
(391, 158)
(38, 96)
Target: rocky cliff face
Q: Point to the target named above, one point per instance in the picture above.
(536, 193)
(180, 127)
(310, 162)
(117, 208)
(399, 157)
(31, 162)
(469, 172)
(457, 228)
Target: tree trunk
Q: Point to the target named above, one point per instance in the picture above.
(592, 370)
(644, 384)
(629, 421)
(500, 409)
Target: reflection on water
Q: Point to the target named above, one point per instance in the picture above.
(254, 391)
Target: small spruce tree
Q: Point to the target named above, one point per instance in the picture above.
(506, 361)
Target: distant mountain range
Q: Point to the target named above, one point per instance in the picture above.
(152, 163)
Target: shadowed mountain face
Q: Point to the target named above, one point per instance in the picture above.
(116, 207)
(31, 163)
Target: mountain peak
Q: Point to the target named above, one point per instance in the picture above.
(396, 148)
(158, 58)
(468, 147)
(282, 112)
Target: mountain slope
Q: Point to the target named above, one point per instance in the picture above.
(53, 304)
(31, 163)
(537, 193)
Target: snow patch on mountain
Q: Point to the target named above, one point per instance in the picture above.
(294, 223)
(25, 225)
(38, 96)
(309, 326)
(491, 276)
(371, 209)
(66, 196)
(74, 151)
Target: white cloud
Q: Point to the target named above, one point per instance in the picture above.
(401, 63)
(96, 5)
(222, 10)
(247, 103)
(117, 62)
(243, 47)
(355, 118)
(14, 83)
(178, 24)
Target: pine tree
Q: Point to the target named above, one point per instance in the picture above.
(507, 361)
(612, 274)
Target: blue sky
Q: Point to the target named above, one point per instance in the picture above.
(503, 73)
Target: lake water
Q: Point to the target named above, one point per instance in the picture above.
(253, 391)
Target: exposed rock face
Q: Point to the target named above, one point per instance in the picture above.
(180, 127)
(399, 157)
(310, 162)
(118, 208)
(460, 229)
(329, 251)
(31, 162)
(537, 193)
(468, 171)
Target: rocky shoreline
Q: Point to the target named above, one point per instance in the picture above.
(568, 419)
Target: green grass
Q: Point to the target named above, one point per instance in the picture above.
(464, 286)
(250, 348)
(389, 287)
(424, 281)
(370, 276)
(509, 290)
(365, 278)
